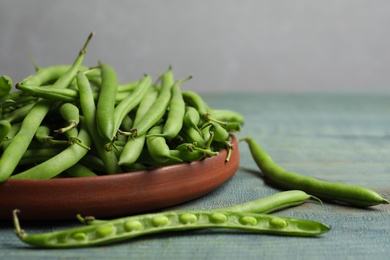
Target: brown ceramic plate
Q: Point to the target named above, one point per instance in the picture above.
(119, 194)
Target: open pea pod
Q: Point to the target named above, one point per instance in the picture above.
(130, 227)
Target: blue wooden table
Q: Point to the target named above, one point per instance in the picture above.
(338, 137)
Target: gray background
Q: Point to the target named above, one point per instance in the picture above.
(276, 45)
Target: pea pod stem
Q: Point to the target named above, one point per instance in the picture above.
(351, 194)
(19, 144)
(60, 162)
(158, 108)
(88, 108)
(129, 103)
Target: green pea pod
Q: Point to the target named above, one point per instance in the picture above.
(226, 115)
(220, 133)
(15, 150)
(79, 170)
(5, 128)
(88, 108)
(106, 103)
(191, 118)
(194, 99)
(191, 135)
(350, 194)
(67, 94)
(133, 147)
(129, 227)
(71, 114)
(126, 105)
(158, 108)
(264, 205)
(59, 163)
(6, 85)
(176, 112)
(157, 146)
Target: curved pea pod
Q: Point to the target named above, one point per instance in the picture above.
(5, 85)
(226, 115)
(351, 194)
(71, 114)
(195, 100)
(220, 133)
(157, 146)
(189, 152)
(130, 227)
(5, 128)
(43, 136)
(158, 109)
(191, 118)
(133, 147)
(66, 94)
(191, 135)
(59, 163)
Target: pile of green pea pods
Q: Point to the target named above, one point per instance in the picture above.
(79, 121)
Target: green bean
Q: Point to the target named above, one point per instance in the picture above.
(350, 194)
(189, 152)
(272, 203)
(127, 123)
(79, 170)
(207, 133)
(176, 111)
(264, 205)
(62, 74)
(227, 115)
(93, 162)
(191, 135)
(19, 114)
(20, 142)
(135, 167)
(33, 119)
(133, 147)
(70, 113)
(127, 87)
(191, 118)
(59, 163)
(106, 102)
(6, 85)
(42, 135)
(88, 109)
(67, 94)
(158, 108)
(15, 99)
(232, 126)
(186, 155)
(5, 128)
(38, 155)
(45, 75)
(126, 105)
(11, 134)
(220, 133)
(194, 99)
(129, 227)
(42, 152)
(157, 146)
